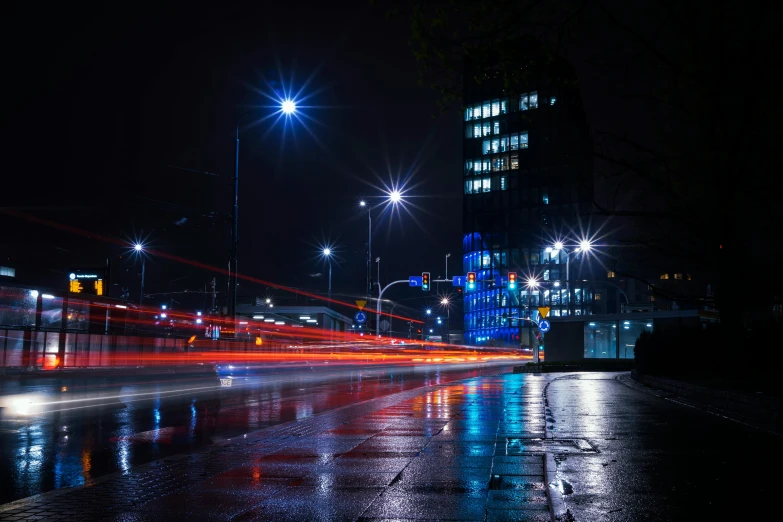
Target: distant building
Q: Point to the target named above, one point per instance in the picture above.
(528, 180)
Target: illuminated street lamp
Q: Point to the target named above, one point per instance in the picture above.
(585, 245)
(139, 249)
(428, 311)
(394, 197)
(288, 107)
(327, 253)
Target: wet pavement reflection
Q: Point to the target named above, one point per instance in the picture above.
(657, 460)
(143, 421)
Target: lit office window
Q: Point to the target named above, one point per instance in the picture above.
(533, 100)
(469, 167)
(552, 100)
(504, 144)
(610, 275)
(495, 163)
(688, 277)
(486, 146)
(523, 102)
(476, 167)
(523, 140)
(678, 276)
(664, 276)
(476, 130)
(476, 186)
(486, 185)
(495, 148)
(469, 187)
(514, 161)
(514, 141)
(504, 162)
(503, 106)
(485, 167)
(496, 108)
(486, 127)
(597, 297)
(485, 259)
(469, 114)
(485, 110)
(496, 127)
(545, 197)
(477, 112)
(503, 183)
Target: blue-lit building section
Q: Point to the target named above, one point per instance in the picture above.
(528, 180)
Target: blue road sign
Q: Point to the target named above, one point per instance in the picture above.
(414, 281)
(458, 280)
(360, 317)
(544, 325)
(499, 280)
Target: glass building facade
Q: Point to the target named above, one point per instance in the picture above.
(602, 342)
(528, 179)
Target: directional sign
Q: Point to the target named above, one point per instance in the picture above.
(499, 280)
(458, 280)
(414, 281)
(360, 317)
(544, 311)
(361, 303)
(544, 325)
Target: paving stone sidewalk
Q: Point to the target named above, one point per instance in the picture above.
(466, 450)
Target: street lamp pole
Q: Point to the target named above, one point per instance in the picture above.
(327, 253)
(141, 295)
(139, 248)
(287, 107)
(234, 238)
(447, 266)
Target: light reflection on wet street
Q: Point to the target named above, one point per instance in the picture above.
(144, 421)
(657, 459)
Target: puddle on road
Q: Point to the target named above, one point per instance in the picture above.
(563, 486)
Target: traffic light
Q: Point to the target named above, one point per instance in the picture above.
(471, 280)
(512, 280)
(425, 281)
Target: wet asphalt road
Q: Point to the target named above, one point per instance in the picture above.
(464, 451)
(658, 459)
(152, 418)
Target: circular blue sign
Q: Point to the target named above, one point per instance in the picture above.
(544, 325)
(360, 317)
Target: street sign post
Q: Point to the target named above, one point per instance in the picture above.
(360, 317)
(544, 325)
(414, 281)
(458, 280)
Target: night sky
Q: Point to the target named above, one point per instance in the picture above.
(104, 101)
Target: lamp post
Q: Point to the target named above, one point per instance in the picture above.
(288, 107)
(447, 266)
(327, 253)
(139, 248)
(363, 203)
(532, 283)
(394, 197)
(378, 262)
(445, 302)
(584, 246)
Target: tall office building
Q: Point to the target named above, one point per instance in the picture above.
(528, 182)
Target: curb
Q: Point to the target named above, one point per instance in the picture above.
(557, 507)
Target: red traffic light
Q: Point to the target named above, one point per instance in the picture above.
(471, 280)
